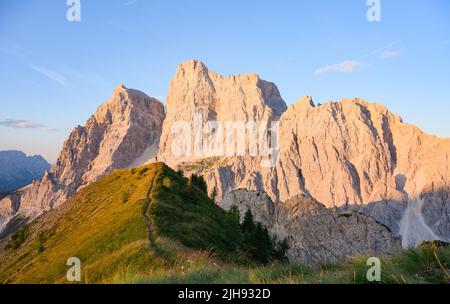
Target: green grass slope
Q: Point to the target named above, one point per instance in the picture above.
(194, 241)
(104, 225)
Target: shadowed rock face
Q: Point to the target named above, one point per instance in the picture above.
(315, 234)
(120, 131)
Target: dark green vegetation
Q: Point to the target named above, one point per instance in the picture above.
(259, 244)
(199, 182)
(18, 238)
(181, 210)
(194, 241)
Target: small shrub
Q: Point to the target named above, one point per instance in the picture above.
(40, 242)
(126, 196)
(429, 262)
(248, 225)
(199, 181)
(18, 238)
(143, 171)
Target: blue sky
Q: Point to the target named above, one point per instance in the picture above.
(55, 73)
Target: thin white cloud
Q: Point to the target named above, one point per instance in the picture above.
(131, 2)
(25, 124)
(389, 54)
(50, 74)
(47, 129)
(19, 124)
(353, 64)
(387, 46)
(343, 67)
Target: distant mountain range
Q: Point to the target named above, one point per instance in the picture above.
(18, 170)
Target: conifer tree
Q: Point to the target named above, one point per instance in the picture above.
(248, 225)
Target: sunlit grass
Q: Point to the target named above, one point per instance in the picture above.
(104, 227)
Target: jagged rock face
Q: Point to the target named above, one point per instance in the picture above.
(315, 234)
(18, 170)
(120, 131)
(357, 153)
(354, 155)
(196, 90)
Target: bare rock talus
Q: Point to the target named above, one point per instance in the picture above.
(120, 131)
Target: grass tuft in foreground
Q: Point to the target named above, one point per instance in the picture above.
(405, 268)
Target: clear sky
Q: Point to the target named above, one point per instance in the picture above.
(54, 73)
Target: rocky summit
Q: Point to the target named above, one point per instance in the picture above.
(352, 156)
(198, 96)
(123, 132)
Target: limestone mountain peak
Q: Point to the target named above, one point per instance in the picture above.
(125, 128)
(120, 88)
(305, 101)
(193, 64)
(196, 91)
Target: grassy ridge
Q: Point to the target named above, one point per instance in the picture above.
(104, 226)
(97, 225)
(195, 241)
(181, 210)
(187, 214)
